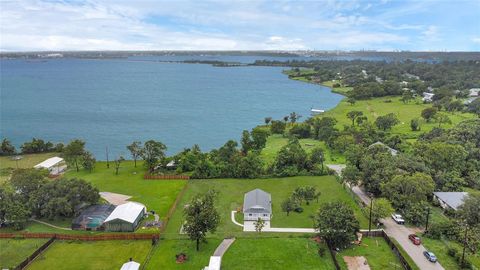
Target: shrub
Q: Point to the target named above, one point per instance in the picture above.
(321, 250)
(452, 252)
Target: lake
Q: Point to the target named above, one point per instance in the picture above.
(110, 103)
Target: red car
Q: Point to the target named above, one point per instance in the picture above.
(415, 239)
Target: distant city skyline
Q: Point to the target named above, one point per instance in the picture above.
(240, 25)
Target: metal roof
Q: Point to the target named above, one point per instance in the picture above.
(392, 151)
(47, 164)
(452, 199)
(127, 212)
(257, 201)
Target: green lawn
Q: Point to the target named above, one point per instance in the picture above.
(164, 255)
(375, 250)
(91, 255)
(14, 251)
(277, 141)
(275, 253)
(157, 195)
(7, 164)
(440, 248)
(375, 107)
(231, 197)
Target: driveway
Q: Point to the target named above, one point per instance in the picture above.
(337, 168)
(400, 233)
(114, 198)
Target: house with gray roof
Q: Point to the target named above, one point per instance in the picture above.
(257, 204)
(391, 150)
(450, 200)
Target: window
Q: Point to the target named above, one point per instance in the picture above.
(249, 215)
(265, 215)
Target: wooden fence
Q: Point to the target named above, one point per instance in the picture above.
(165, 177)
(173, 208)
(82, 237)
(32, 257)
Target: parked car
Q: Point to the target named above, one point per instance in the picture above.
(398, 218)
(415, 239)
(430, 256)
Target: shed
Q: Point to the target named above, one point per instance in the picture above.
(257, 204)
(427, 97)
(450, 200)
(125, 217)
(55, 165)
(131, 265)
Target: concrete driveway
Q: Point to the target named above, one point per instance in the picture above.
(400, 233)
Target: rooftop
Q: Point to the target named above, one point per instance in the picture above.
(257, 200)
(47, 164)
(127, 212)
(452, 199)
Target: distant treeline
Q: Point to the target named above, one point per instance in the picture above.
(32, 147)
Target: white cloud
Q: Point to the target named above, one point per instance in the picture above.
(476, 40)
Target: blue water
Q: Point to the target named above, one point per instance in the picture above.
(114, 102)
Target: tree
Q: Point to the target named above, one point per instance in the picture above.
(246, 142)
(12, 211)
(317, 156)
(309, 193)
(7, 148)
(201, 217)
(153, 153)
(351, 175)
(73, 152)
(469, 213)
(285, 119)
(429, 113)
(259, 224)
(352, 115)
(405, 190)
(386, 122)
(442, 119)
(381, 208)
(474, 107)
(277, 127)
(259, 138)
(136, 151)
(288, 205)
(205, 169)
(26, 182)
(88, 161)
(268, 120)
(324, 128)
(351, 100)
(250, 166)
(336, 224)
(407, 96)
(300, 130)
(415, 124)
(294, 117)
(117, 163)
(290, 159)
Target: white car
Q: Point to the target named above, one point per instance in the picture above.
(398, 218)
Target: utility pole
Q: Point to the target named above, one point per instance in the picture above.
(464, 245)
(106, 152)
(426, 223)
(370, 219)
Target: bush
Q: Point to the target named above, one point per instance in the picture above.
(452, 252)
(321, 250)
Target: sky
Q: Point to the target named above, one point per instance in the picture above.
(415, 25)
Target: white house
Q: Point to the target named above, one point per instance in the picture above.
(450, 200)
(55, 165)
(474, 92)
(257, 204)
(427, 97)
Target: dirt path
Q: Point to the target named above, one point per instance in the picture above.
(356, 263)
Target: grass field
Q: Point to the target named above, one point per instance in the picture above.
(233, 190)
(375, 250)
(14, 251)
(375, 107)
(277, 141)
(7, 164)
(440, 248)
(164, 255)
(275, 253)
(157, 195)
(91, 255)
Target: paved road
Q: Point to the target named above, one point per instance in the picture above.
(400, 233)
